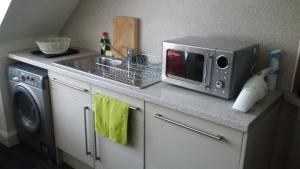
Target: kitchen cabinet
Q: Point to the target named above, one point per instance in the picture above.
(72, 117)
(159, 137)
(175, 141)
(74, 126)
(111, 155)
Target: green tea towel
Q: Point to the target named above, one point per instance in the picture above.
(101, 114)
(111, 118)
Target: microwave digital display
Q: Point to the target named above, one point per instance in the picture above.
(185, 65)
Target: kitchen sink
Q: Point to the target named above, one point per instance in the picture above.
(140, 72)
(109, 61)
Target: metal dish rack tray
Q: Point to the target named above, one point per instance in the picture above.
(140, 71)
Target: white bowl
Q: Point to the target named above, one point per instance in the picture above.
(55, 45)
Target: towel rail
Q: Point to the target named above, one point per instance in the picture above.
(130, 107)
(133, 108)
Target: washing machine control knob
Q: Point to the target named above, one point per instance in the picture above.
(219, 84)
(16, 78)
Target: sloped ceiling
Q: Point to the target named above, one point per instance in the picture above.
(31, 18)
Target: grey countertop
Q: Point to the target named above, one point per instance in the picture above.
(190, 102)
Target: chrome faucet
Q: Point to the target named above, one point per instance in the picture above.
(130, 56)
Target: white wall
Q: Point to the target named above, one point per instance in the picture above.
(31, 18)
(271, 23)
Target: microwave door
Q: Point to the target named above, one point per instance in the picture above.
(185, 66)
(194, 67)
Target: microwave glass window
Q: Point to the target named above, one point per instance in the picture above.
(176, 63)
(185, 65)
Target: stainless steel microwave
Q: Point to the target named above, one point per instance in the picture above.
(215, 66)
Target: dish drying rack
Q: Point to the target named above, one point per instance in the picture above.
(140, 70)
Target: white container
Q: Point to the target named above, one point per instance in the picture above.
(254, 90)
(274, 69)
(54, 45)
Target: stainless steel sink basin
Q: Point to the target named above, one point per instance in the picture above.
(135, 74)
(109, 61)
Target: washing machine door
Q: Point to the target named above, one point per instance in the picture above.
(27, 112)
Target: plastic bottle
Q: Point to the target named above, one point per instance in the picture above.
(104, 43)
(274, 69)
(253, 90)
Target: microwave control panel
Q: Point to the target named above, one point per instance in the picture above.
(221, 74)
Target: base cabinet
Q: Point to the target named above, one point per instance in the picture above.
(172, 143)
(111, 155)
(159, 138)
(74, 126)
(72, 118)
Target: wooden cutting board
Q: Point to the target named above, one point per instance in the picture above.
(125, 34)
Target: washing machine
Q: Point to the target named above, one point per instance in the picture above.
(32, 107)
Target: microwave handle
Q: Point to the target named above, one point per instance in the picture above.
(204, 74)
(208, 70)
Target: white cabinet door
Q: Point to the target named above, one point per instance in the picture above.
(112, 155)
(72, 118)
(174, 140)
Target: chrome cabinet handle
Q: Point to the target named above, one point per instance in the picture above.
(97, 157)
(86, 135)
(71, 86)
(216, 137)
